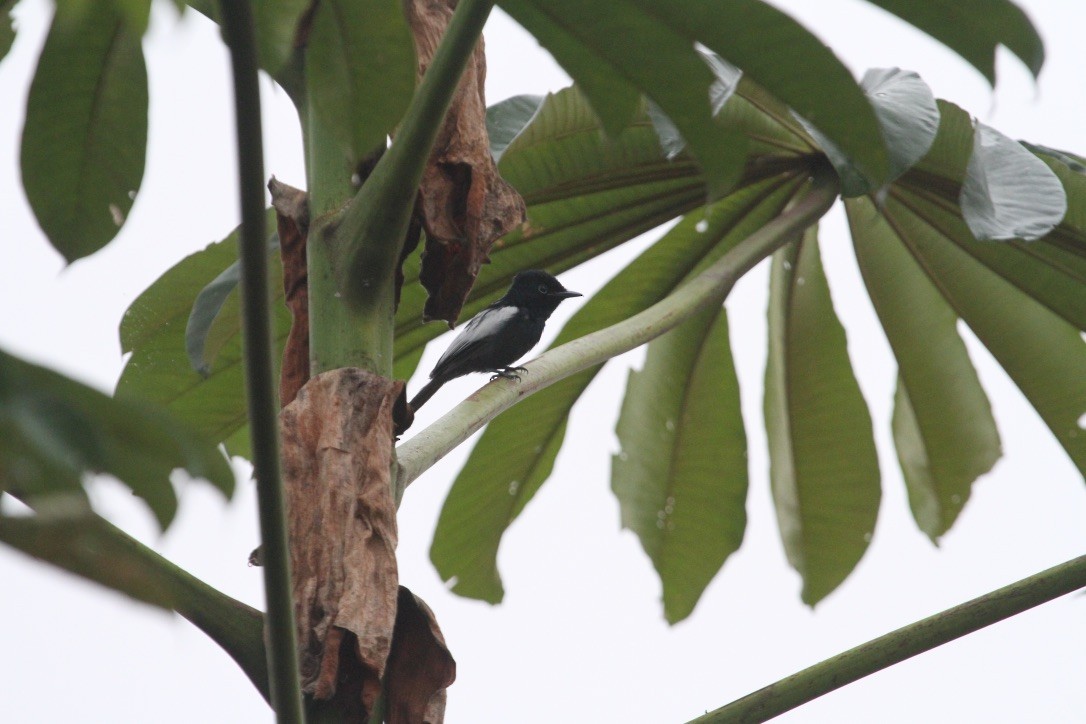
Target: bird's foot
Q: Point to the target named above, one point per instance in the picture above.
(508, 373)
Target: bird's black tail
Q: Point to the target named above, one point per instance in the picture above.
(425, 393)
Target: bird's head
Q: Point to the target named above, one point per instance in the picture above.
(537, 290)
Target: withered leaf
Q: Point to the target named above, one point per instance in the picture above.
(466, 206)
(420, 667)
(337, 451)
(292, 219)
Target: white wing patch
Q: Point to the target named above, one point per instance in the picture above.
(482, 325)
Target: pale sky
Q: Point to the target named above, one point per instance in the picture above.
(580, 636)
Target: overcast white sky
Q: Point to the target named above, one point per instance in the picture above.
(580, 636)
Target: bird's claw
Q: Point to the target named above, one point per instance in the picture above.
(508, 373)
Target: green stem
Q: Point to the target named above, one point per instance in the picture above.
(338, 335)
(709, 288)
(375, 223)
(353, 255)
(902, 644)
(260, 371)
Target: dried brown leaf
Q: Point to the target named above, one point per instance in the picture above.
(420, 667)
(292, 219)
(466, 206)
(337, 452)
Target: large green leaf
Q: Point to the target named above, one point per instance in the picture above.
(974, 29)
(85, 138)
(516, 453)
(824, 470)
(1004, 199)
(360, 70)
(585, 195)
(596, 36)
(7, 27)
(159, 371)
(1042, 352)
(54, 431)
(681, 476)
(609, 46)
(91, 547)
(943, 427)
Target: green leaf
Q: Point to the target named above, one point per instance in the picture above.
(276, 23)
(158, 370)
(85, 138)
(943, 427)
(612, 98)
(615, 37)
(824, 470)
(7, 27)
(210, 325)
(516, 453)
(681, 477)
(505, 121)
(1009, 193)
(723, 88)
(360, 70)
(1052, 270)
(1043, 354)
(908, 118)
(209, 303)
(92, 548)
(974, 29)
(53, 431)
(678, 80)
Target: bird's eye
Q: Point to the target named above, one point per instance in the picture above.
(542, 288)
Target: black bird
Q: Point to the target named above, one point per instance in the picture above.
(500, 334)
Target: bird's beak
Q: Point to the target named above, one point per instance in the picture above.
(567, 294)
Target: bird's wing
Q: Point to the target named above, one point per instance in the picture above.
(479, 329)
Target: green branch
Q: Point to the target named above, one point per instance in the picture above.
(902, 644)
(709, 288)
(259, 368)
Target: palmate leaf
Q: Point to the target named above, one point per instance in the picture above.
(1040, 350)
(54, 431)
(824, 470)
(84, 143)
(943, 427)
(585, 194)
(924, 268)
(681, 476)
(605, 47)
(516, 453)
